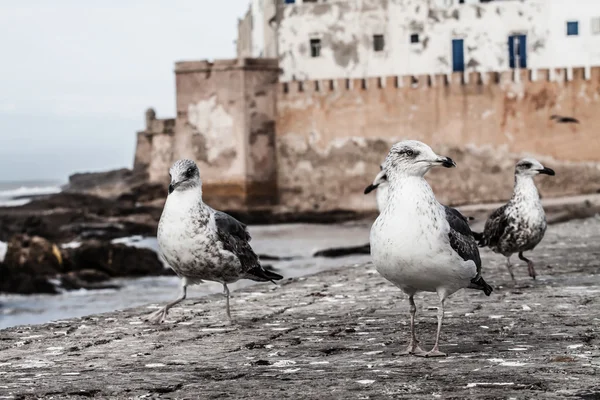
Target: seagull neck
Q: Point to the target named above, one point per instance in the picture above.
(191, 196)
(408, 188)
(525, 189)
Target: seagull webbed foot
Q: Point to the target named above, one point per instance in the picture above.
(157, 317)
(434, 353)
(412, 349)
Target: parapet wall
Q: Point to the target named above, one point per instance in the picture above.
(333, 134)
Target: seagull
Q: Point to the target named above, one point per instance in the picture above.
(380, 183)
(519, 225)
(564, 120)
(200, 243)
(417, 243)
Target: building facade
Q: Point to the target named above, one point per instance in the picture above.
(325, 39)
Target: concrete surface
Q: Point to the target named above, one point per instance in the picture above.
(335, 335)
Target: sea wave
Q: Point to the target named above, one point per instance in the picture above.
(3, 247)
(22, 195)
(26, 191)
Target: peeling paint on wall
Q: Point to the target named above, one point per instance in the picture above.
(215, 126)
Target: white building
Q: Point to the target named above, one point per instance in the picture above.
(325, 39)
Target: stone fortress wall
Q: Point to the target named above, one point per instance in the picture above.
(314, 145)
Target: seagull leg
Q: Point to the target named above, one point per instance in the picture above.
(435, 352)
(413, 345)
(510, 268)
(160, 315)
(529, 265)
(226, 293)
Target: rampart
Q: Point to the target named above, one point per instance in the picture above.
(333, 134)
(315, 145)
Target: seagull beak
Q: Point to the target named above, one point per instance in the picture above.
(171, 188)
(370, 188)
(379, 179)
(547, 171)
(445, 162)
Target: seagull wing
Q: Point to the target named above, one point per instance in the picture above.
(461, 237)
(236, 239)
(494, 227)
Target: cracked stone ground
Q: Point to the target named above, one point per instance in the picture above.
(335, 335)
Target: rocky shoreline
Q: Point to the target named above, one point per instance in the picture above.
(63, 241)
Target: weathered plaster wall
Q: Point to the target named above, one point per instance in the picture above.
(346, 30)
(331, 139)
(153, 152)
(225, 122)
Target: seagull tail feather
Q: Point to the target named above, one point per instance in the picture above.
(261, 274)
(480, 284)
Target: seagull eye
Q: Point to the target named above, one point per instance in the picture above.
(409, 152)
(189, 172)
(526, 165)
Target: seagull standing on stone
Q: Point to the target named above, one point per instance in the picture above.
(519, 225)
(200, 243)
(419, 244)
(380, 183)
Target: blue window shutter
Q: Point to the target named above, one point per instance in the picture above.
(572, 28)
(511, 51)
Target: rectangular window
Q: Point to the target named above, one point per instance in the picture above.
(378, 42)
(414, 38)
(572, 28)
(315, 47)
(595, 25)
(461, 1)
(289, 1)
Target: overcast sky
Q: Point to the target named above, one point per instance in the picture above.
(77, 76)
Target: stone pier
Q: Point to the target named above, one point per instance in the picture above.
(336, 335)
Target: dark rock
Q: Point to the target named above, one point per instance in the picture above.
(115, 259)
(29, 262)
(33, 255)
(69, 216)
(121, 184)
(343, 251)
(86, 279)
(19, 282)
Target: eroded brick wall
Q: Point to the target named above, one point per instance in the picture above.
(333, 134)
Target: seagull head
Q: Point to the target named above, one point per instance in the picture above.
(380, 179)
(411, 157)
(184, 176)
(531, 167)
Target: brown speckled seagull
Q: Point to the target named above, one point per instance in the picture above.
(200, 243)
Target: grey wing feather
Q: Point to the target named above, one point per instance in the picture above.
(236, 239)
(494, 227)
(461, 237)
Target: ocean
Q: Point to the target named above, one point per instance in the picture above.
(21, 192)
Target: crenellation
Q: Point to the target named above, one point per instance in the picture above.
(595, 75)
(578, 74)
(560, 75)
(457, 79)
(542, 75)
